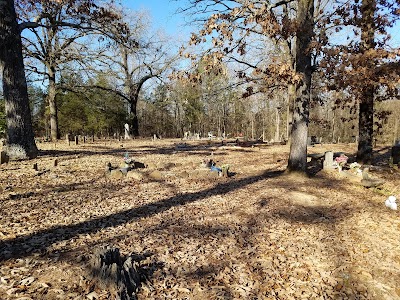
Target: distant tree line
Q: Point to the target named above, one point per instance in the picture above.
(271, 71)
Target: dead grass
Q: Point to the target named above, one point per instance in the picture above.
(257, 235)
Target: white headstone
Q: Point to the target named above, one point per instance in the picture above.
(328, 161)
(127, 135)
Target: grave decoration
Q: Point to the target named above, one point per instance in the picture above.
(391, 203)
(341, 161)
(210, 164)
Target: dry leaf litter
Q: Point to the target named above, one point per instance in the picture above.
(258, 234)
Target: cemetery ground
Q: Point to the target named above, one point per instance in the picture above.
(258, 234)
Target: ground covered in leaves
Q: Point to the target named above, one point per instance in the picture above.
(258, 234)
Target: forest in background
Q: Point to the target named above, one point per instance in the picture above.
(172, 110)
(275, 71)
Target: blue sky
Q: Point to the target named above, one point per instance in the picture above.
(163, 14)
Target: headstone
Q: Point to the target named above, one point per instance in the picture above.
(68, 139)
(328, 161)
(4, 158)
(76, 140)
(396, 154)
(127, 134)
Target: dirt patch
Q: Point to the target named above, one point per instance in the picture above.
(258, 234)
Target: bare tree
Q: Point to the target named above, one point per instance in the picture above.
(133, 58)
(52, 46)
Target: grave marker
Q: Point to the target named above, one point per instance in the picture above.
(328, 161)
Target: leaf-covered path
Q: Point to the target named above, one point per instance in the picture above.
(256, 235)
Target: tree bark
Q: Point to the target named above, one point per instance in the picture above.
(133, 119)
(298, 146)
(366, 113)
(51, 99)
(134, 90)
(289, 114)
(366, 125)
(20, 138)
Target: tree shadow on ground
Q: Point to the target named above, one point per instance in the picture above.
(39, 241)
(325, 217)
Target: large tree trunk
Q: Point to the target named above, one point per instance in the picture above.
(133, 119)
(20, 138)
(134, 90)
(298, 146)
(366, 112)
(51, 99)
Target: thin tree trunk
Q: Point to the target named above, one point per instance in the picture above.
(20, 138)
(51, 98)
(366, 112)
(277, 127)
(289, 118)
(298, 146)
(333, 127)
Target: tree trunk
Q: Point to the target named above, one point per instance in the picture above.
(289, 115)
(366, 125)
(366, 113)
(277, 127)
(20, 138)
(133, 119)
(298, 146)
(51, 98)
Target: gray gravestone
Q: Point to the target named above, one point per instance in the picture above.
(328, 161)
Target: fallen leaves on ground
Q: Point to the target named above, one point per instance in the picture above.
(259, 234)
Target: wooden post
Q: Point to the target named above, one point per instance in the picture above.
(68, 139)
(328, 161)
(76, 140)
